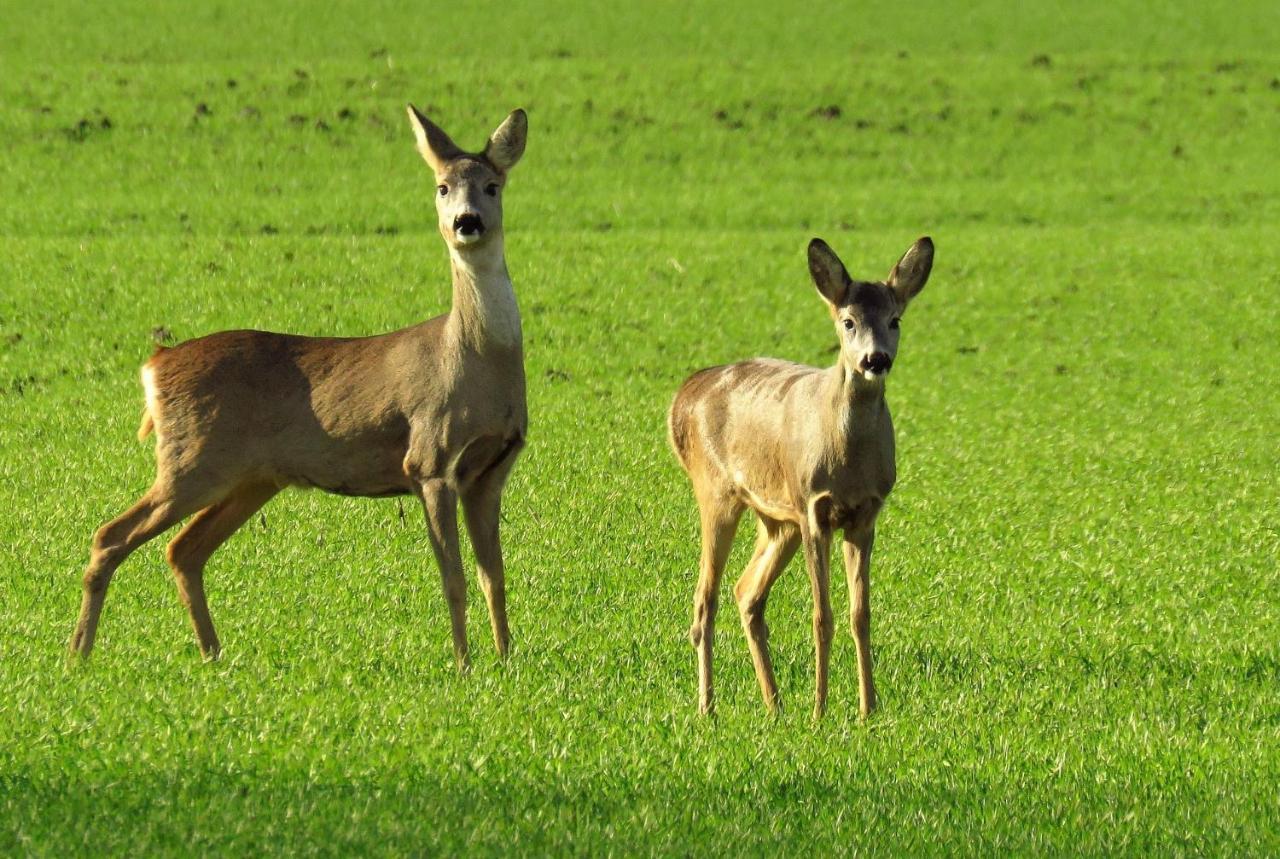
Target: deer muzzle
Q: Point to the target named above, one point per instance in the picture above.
(468, 227)
(875, 365)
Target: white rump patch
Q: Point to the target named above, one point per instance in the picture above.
(149, 392)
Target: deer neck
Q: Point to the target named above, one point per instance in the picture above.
(856, 406)
(485, 315)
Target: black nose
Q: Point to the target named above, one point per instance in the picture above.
(468, 225)
(877, 362)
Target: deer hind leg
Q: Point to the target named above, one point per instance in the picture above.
(440, 503)
(719, 518)
(155, 512)
(857, 564)
(482, 507)
(775, 546)
(817, 551)
(190, 550)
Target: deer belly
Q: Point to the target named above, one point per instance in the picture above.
(768, 502)
(360, 471)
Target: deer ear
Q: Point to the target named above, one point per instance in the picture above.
(828, 273)
(434, 145)
(909, 275)
(506, 144)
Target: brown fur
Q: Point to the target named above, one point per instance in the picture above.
(811, 452)
(435, 410)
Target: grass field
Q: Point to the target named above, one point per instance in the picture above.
(1076, 594)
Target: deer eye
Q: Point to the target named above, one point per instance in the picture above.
(893, 323)
(491, 189)
(848, 324)
(443, 190)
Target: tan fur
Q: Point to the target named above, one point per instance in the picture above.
(435, 410)
(811, 452)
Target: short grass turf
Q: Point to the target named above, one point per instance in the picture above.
(1076, 597)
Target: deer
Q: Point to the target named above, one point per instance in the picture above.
(811, 452)
(435, 410)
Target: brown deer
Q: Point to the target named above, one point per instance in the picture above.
(435, 410)
(810, 451)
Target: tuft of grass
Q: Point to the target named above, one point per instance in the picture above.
(1075, 608)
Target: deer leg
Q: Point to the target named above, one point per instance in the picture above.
(190, 550)
(857, 565)
(441, 505)
(719, 518)
(817, 554)
(155, 512)
(482, 507)
(775, 546)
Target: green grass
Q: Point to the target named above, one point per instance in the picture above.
(1077, 602)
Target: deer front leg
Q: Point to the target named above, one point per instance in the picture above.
(857, 566)
(440, 503)
(482, 506)
(817, 554)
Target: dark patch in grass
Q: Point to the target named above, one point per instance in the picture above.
(202, 109)
(1060, 370)
(1042, 61)
(321, 125)
(967, 350)
(250, 112)
(722, 116)
(297, 119)
(623, 117)
(269, 229)
(899, 128)
(1223, 68)
(556, 375)
(162, 336)
(1178, 152)
(346, 114)
(390, 230)
(944, 114)
(82, 130)
(863, 124)
(232, 83)
(21, 384)
(830, 111)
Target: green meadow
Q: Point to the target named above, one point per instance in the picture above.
(1076, 599)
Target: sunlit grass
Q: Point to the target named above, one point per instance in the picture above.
(1075, 582)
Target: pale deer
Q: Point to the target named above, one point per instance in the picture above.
(435, 410)
(811, 451)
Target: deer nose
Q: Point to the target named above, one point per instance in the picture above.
(469, 225)
(876, 363)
